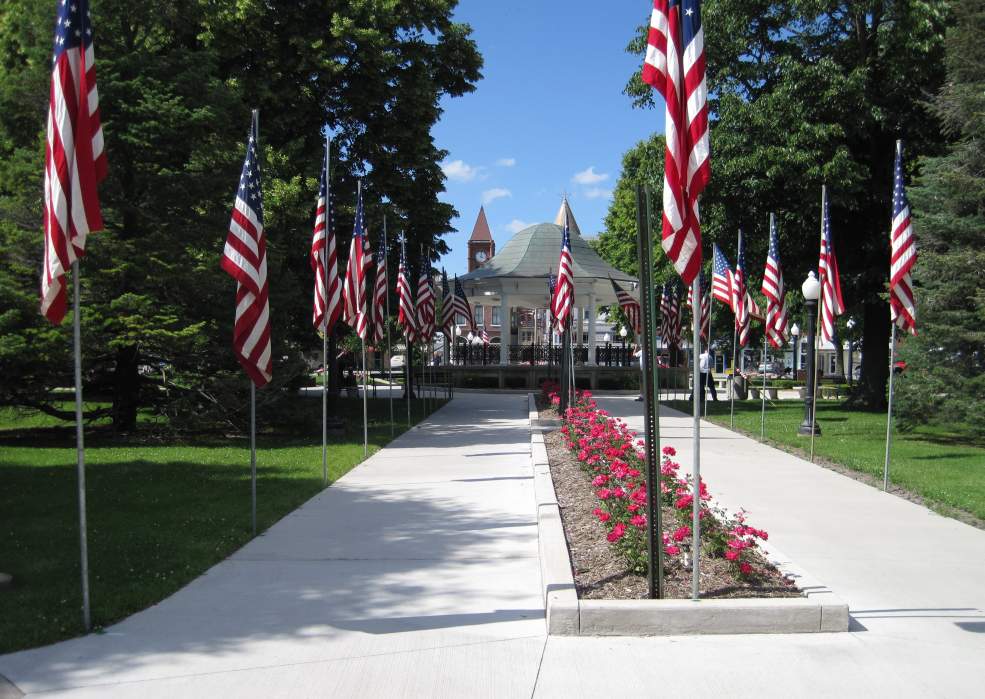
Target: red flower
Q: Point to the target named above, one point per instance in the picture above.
(732, 555)
(617, 532)
(638, 521)
(745, 568)
(669, 451)
(672, 550)
(681, 533)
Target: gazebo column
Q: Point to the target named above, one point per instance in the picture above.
(591, 329)
(504, 329)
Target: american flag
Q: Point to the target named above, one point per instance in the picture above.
(462, 306)
(357, 311)
(447, 307)
(630, 307)
(705, 304)
(721, 277)
(902, 305)
(485, 337)
(743, 305)
(328, 297)
(676, 316)
(75, 160)
(666, 316)
(675, 66)
(379, 294)
(245, 260)
(832, 304)
(775, 291)
(564, 289)
(405, 300)
(425, 302)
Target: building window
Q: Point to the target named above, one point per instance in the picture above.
(479, 320)
(495, 315)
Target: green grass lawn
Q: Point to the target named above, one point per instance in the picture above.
(161, 510)
(945, 468)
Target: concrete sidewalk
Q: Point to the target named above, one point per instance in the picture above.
(914, 581)
(414, 575)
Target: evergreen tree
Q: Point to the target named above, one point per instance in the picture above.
(177, 82)
(944, 381)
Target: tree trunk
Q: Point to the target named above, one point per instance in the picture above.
(870, 392)
(126, 389)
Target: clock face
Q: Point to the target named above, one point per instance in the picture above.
(481, 256)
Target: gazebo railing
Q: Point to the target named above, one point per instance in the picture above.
(607, 355)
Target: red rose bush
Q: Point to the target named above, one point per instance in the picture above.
(614, 459)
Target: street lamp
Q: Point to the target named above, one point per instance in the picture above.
(851, 349)
(795, 332)
(812, 291)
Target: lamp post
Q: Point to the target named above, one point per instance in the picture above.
(795, 333)
(812, 291)
(851, 350)
(623, 333)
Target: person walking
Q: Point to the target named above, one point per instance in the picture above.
(706, 365)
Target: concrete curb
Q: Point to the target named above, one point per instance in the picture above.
(820, 610)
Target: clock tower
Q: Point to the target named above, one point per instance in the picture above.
(481, 245)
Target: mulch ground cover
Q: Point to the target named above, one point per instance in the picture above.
(601, 572)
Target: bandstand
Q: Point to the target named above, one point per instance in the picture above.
(512, 287)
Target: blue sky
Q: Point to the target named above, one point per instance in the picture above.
(548, 117)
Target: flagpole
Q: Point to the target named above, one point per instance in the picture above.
(365, 405)
(711, 367)
(253, 393)
(889, 414)
(762, 412)
(253, 454)
(731, 384)
(324, 344)
(407, 367)
(696, 469)
(389, 345)
(80, 446)
(813, 382)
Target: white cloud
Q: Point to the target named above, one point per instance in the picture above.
(516, 225)
(589, 176)
(598, 193)
(506, 162)
(491, 195)
(459, 170)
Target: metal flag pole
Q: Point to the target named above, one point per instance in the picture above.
(649, 389)
(324, 343)
(365, 406)
(407, 343)
(889, 414)
(80, 446)
(762, 412)
(817, 335)
(711, 365)
(731, 384)
(389, 345)
(253, 393)
(253, 454)
(696, 472)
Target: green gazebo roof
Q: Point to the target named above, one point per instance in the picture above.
(534, 252)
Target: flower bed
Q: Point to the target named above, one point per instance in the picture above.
(597, 463)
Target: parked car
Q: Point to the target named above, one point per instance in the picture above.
(398, 361)
(771, 369)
